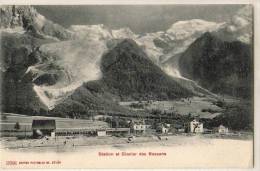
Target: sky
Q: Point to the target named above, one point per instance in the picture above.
(139, 18)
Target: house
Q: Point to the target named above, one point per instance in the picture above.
(99, 117)
(53, 134)
(41, 127)
(139, 127)
(196, 126)
(222, 129)
(101, 133)
(163, 128)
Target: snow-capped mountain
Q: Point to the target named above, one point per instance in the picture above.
(123, 33)
(240, 27)
(64, 59)
(160, 46)
(97, 32)
(184, 29)
(182, 33)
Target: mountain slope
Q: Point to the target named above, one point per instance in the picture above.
(45, 64)
(23, 66)
(127, 74)
(219, 66)
(86, 99)
(183, 33)
(128, 71)
(18, 53)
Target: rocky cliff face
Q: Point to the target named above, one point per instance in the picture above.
(23, 31)
(31, 21)
(18, 53)
(12, 17)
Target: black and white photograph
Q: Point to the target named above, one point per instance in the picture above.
(151, 86)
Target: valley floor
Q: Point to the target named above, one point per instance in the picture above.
(176, 151)
(63, 144)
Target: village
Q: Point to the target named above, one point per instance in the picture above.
(150, 121)
(48, 127)
(38, 131)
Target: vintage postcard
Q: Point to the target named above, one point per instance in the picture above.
(127, 86)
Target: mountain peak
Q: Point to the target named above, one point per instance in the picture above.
(123, 33)
(209, 39)
(219, 66)
(131, 74)
(126, 49)
(207, 35)
(98, 32)
(184, 29)
(128, 42)
(32, 22)
(131, 47)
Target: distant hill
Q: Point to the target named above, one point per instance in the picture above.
(84, 101)
(129, 73)
(219, 66)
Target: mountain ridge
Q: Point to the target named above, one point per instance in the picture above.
(58, 61)
(219, 66)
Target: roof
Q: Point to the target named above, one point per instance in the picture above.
(195, 120)
(44, 124)
(222, 127)
(165, 125)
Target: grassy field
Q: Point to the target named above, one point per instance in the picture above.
(201, 106)
(8, 121)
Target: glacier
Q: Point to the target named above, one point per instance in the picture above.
(81, 55)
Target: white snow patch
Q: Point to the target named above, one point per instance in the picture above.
(18, 30)
(80, 59)
(52, 95)
(123, 33)
(174, 72)
(184, 29)
(97, 32)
